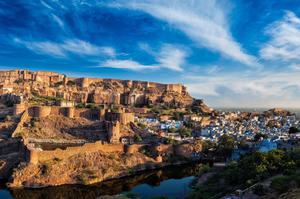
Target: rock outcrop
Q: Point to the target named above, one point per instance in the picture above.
(93, 90)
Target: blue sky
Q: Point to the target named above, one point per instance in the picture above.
(234, 53)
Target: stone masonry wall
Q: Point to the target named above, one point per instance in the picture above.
(36, 155)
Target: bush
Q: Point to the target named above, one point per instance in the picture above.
(71, 83)
(57, 84)
(8, 118)
(137, 138)
(185, 132)
(259, 190)
(132, 195)
(19, 81)
(142, 126)
(281, 184)
(293, 130)
(80, 105)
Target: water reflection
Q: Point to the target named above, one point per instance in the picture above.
(112, 187)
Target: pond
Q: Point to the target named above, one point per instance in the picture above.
(172, 182)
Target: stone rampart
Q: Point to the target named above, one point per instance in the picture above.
(20, 125)
(36, 155)
(133, 148)
(71, 112)
(40, 111)
(123, 118)
(19, 108)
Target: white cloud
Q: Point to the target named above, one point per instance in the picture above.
(202, 21)
(127, 64)
(284, 44)
(75, 46)
(170, 56)
(46, 47)
(267, 84)
(58, 21)
(85, 48)
(213, 69)
(295, 67)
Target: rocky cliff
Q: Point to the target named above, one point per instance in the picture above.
(93, 90)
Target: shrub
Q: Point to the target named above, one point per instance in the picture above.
(71, 83)
(293, 130)
(8, 118)
(137, 138)
(259, 190)
(57, 84)
(80, 105)
(19, 81)
(132, 195)
(281, 184)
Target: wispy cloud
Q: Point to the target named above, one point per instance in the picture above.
(266, 84)
(45, 47)
(74, 46)
(213, 69)
(295, 67)
(127, 64)
(202, 21)
(58, 21)
(170, 56)
(284, 44)
(81, 47)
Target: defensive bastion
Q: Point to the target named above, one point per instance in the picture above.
(50, 78)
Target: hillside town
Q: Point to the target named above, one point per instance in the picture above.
(90, 125)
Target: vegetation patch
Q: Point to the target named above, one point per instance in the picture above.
(251, 169)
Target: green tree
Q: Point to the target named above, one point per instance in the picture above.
(185, 132)
(225, 145)
(137, 138)
(71, 83)
(172, 130)
(293, 130)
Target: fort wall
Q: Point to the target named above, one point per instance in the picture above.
(71, 112)
(133, 148)
(36, 155)
(20, 125)
(175, 88)
(123, 118)
(19, 108)
(53, 77)
(39, 111)
(113, 131)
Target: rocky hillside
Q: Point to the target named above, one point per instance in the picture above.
(84, 168)
(93, 90)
